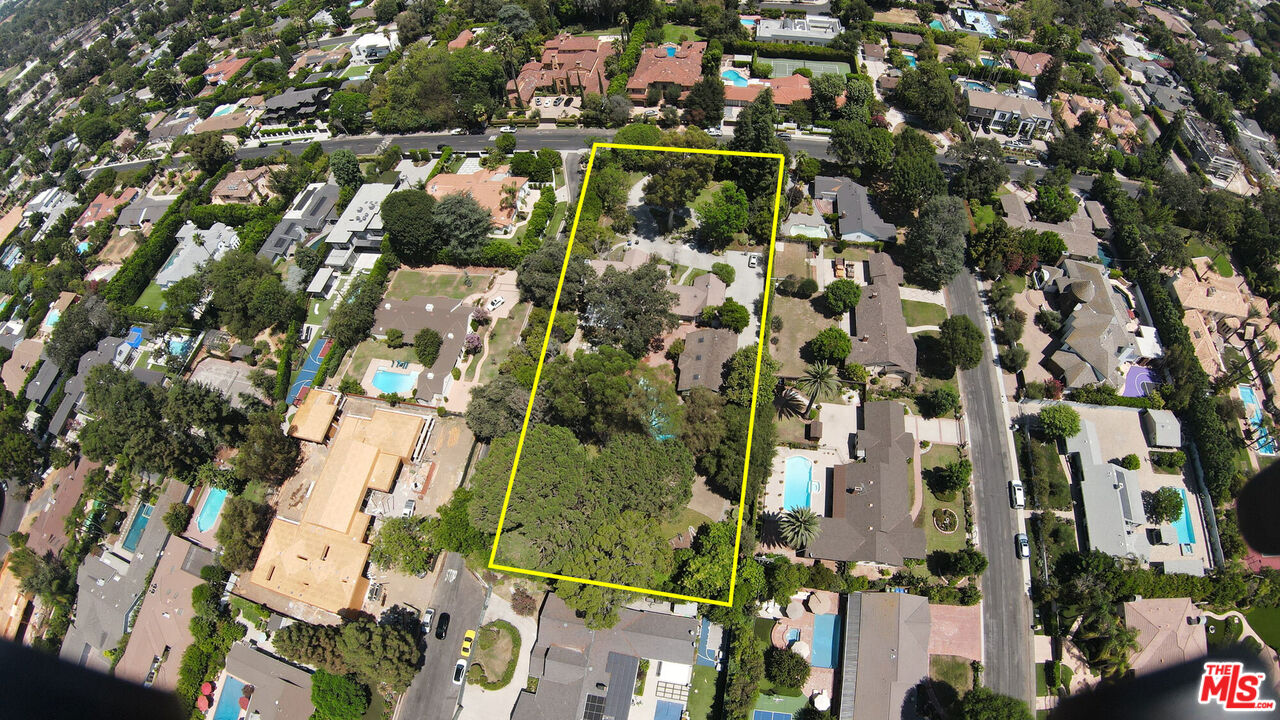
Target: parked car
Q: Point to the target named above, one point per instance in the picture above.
(442, 626)
(715, 132)
(650, 113)
(459, 672)
(753, 260)
(568, 101)
(557, 101)
(1032, 162)
(1024, 547)
(495, 303)
(783, 135)
(506, 129)
(1011, 159)
(467, 640)
(1017, 496)
(537, 101)
(409, 506)
(458, 131)
(427, 617)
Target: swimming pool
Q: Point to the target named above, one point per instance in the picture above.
(911, 59)
(134, 338)
(975, 85)
(82, 247)
(989, 62)
(52, 318)
(223, 110)
(797, 489)
(396, 383)
(793, 634)
(1266, 443)
(1186, 531)
(826, 640)
(749, 22)
(179, 346)
(210, 509)
(937, 25)
(228, 707)
(671, 52)
(735, 77)
(135, 530)
(812, 231)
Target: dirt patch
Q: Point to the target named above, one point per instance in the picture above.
(119, 247)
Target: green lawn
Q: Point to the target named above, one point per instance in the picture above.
(799, 324)
(408, 283)
(923, 313)
(853, 252)
(152, 297)
(557, 217)
(606, 31)
(370, 349)
(1042, 474)
(1197, 247)
(320, 309)
(503, 337)
(1222, 633)
(672, 33)
(937, 456)
(953, 676)
(692, 275)
(1266, 622)
(686, 519)
(703, 692)
(763, 629)
(983, 215)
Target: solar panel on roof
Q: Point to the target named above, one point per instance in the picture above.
(595, 708)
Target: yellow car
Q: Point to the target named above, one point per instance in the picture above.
(467, 640)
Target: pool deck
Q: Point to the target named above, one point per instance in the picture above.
(822, 459)
(820, 679)
(380, 364)
(205, 539)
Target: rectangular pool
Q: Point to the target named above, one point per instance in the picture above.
(826, 640)
(134, 535)
(228, 707)
(797, 488)
(1266, 443)
(210, 509)
(1184, 527)
(395, 383)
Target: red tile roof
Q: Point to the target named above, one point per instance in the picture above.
(567, 63)
(222, 70)
(1028, 63)
(683, 66)
(461, 41)
(102, 206)
(786, 90)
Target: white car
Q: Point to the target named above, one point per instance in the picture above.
(427, 617)
(459, 672)
(753, 260)
(495, 303)
(409, 506)
(506, 129)
(1032, 162)
(458, 131)
(715, 132)
(1017, 496)
(537, 101)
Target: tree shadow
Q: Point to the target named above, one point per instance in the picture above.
(769, 531)
(789, 403)
(818, 304)
(646, 225)
(931, 358)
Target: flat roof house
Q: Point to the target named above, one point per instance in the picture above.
(1171, 631)
(569, 66)
(667, 65)
(809, 30)
(881, 342)
(371, 48)
(195, 248)
(1209, 148)
(886, 654)
(1162, 429)
(585, 673)
(870, 499)
(489, 188)
(859, 221)
(702, 362)
(447, 316)
(359, 229)
(1113, 513)
(1011, 114)
(311, 210)
(319, 559)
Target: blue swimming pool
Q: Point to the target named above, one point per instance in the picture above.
(1186, 531)
(793, 634)
(82, 247)
(1266, 443)
(826, 640)
(671, 52)
(911, 59)
(396, 383)
(975, 85)
(134, 536)
(749, 22)
(223, 110)
(134, 338)
(668, 710)
(210, 509)
(734, 77)
(989, 62)
(179, 346)
(52, 318)
(797, 488)
(937, 25)
(228, 707)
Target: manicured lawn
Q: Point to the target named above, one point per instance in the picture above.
(320, 309)
(686, 519)
(953, 676)
(1222, 633)
(799, 324)
(763, 628)
(791, 429)
(557, 217)
(692, 275)
(152, 297)
(1199, 248)
(983, 215)
(607, 31)
(1016, 283)
(853, 252)
(935, 539)
(369, 349)
(672, 33)
(408, 283)
(920, 313)
(703, 692)
(501, 339)
(1266, 622)
(938, 456)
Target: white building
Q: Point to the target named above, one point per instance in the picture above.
(359, 229)
(809, 30)
(373, 47)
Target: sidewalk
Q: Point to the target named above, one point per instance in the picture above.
(481, 704)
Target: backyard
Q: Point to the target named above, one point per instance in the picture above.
(408, 283)
(800, 323)
(1266, 622)
(152, 297)
(703, 693)
(369, 350)
(935, 539)
(499, 342)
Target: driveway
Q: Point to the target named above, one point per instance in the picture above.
(481, 704)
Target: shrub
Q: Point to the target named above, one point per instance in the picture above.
(785, 667)
(426, 345)
(1130, 462)
(338, 697)
(395, 338)
(1059, 422)
(724, 271)
(524, 604)
(842, 295)
(1168, 460)
(940, 401)
(178, 517)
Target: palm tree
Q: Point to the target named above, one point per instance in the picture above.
(508, 201)
(819, 380)
(799, 527)
(787, 402)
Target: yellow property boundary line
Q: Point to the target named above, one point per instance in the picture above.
(537, 378)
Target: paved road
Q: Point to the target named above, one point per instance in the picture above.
(1006, 609)
(432, 695)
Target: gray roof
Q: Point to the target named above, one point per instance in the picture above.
(144, 209)
(195, 248)
(702, 362)
(293, 101)
(447, 316)
(311, 209)
(1167, 98)
(870, 501)
(45, 380)
(280, 691)
(886, 654)
(877, 326)
(1094, 337)
(854, 207)
(1162, 428)
(571, 660)
(1113, 512)
(109, 350)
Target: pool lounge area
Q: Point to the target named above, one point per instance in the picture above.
(799, 479)
(733, 77)
(1265, 444)
(390, 377)
(228, 706)
(210, 509)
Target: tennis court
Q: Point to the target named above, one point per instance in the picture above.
(768, 715)
(782, 67)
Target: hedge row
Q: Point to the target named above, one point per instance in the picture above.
(234, 214)
(1107, 395)
(538, 219)
(138, 269)
(510, 670)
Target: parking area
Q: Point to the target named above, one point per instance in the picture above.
(556, 106)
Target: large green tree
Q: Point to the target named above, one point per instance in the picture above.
(636, 471)
(927, 92)
(462, 226)
(935, 244)
(914, 179)
(704, 105)
(209, 151)
(402, 544)
(498, 408)
(961, 342)
(433, 88)
(755, 132)
(982, 168)
(983, 703)
(267, 452)
(723, 215)
(407, 217)
(626, 551)
(241, 532)
(337, 697)
(629, 309)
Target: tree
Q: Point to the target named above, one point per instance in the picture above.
(402, 544)
(337, 697)
(966, 562)
(629, 309)
(724, 271)
(939, 402)
(1054, 203)
(914, 180)
(961, 341)
(755, 132)
(982, 168)
(1013, 358)
(704, 105)
(640, 473)
(498, 408)
(178, 517)
(433, 88)
(935, 243)
(799, 526)
(628, 551)
(842, 295)
(381, 653)
(426, 346)
(953, 477)
(1059, 422)
(1163, 505)
(162, 83)
(515, 20)
(348, 109)
(819, 380)
(241, 532)
(870, 148)
(384, 11)
(785, 667)
(676, 178)
(209, 152)
(78, 331)
(538, 277)
(267, 452)
(830, 345)
(506, 143)
(927, 91)
(346, 168)
(1050, 78)
(408, 219)
(740, 376)
(983, 703)
(465, 223)
(723, 215)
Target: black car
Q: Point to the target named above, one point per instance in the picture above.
(442, 626)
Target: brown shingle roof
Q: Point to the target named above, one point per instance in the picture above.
(702, 362)
(879, 330)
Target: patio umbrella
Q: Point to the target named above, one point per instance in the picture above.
(800, 648)
(206, 688)
(821, 702)
(202, 703)
(819, 604)
(244, 703)
(795, 609)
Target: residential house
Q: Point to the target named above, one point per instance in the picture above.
(809, 30)
(702, 362)
(1011, 114)
(497, 191)
(1209, 148)
(1171, 631)
(667, 66)
(46, 202)
(1076, 231)
(311, 210)
(195, 248)
(224, 69)
(786, 90)
(225, 123)
(281, 690)
(1162, 429)
(569, 66)
(316, 58)
(1031, 64)
(1113, 512)
(1099, 333)
(976, 21)
(317, 559)
(102, 207)
(1116, 120)
(873, 51)
(251, 187)
(1258, 145)
(1166, 98)
(162, 630)
(881, 342)
(450, 318)
(164, 128)
(26, 353)
(144, 211)
(462, 40)
(1218, 298)
(591, 673)
(371, 48)
(858, 221)
(48, 534)
(110, 350)
(293, 105)
(886, 655)
(706, 291)
(1147, 72)
(43, 383)
(1204, 342)
(869, 500)
(1098, 218)
(359, 229)
(1176, 23)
